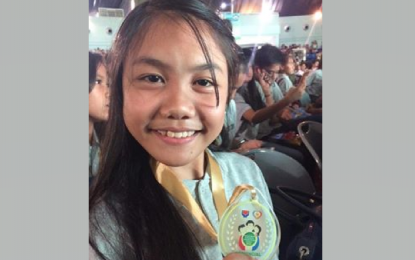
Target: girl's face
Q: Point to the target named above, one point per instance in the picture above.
(99, 96)
(303, 67)
(289, 68)
(169, 98)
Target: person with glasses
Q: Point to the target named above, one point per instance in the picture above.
(228, 140)
(262, 99)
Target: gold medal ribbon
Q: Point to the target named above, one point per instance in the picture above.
(241, 189)
(176, 188)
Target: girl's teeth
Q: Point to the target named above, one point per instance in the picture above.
(176, 134)
(162, 132)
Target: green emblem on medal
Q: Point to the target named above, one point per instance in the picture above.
(249, 227)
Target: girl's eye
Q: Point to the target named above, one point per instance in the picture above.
(153, 79)
(98, 81)
(204, 83)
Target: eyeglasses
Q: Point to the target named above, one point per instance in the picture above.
(271, 72)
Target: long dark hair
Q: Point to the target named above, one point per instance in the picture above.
(95, 59)
(265, 57)
(145, 222)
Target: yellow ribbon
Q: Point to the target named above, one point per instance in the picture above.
(241, 189)
(176, 188)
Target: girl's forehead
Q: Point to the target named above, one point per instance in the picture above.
(172, 22)
(165, 23)
(175, 31)
(169, 28)
(101, 70)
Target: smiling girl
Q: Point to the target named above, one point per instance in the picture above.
(160, 192)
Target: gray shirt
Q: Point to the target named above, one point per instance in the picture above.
(244, 129)
(284, 83)
(277, 94)
(229, 125)
(250, 131)
(314, 83)
(264, 127)
(236, 169)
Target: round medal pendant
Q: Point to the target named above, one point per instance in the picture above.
(248, 227)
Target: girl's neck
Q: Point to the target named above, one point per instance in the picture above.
(91, 130)
(195, 170)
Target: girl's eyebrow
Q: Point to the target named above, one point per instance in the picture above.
(161, 65)
(152, 62)
(207, 67)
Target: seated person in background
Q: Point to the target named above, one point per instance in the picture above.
(314, 83)
(284, 81)
(238, 133)
(309, 64)
(263, 92)
(316, 108)
(288, 68)
(226, 140)
(248, 59)
(315, 65)
(302, 67)
(98, 105)
(249, 75)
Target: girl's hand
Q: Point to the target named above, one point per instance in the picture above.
(286, 115)
(251, 144)
(295, 93)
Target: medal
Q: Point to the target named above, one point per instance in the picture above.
(248, 227)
